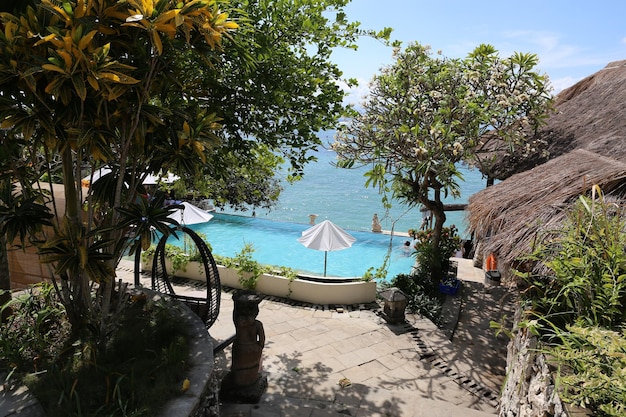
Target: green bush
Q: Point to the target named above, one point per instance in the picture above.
(35, 332)
(579, 308)
(448, 245)
(592, 362)
(423, 297)
(248, 269)
(143, 365)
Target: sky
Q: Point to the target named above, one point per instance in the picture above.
(573, 39)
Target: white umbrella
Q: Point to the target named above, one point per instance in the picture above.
(150, 179)
(326, 236)
(155, 179)
(100, 172)
(190, 214)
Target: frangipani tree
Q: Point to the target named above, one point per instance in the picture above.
(426, 114)
(96, 82)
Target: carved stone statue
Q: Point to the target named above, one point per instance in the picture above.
(376, 224)
(244, 383)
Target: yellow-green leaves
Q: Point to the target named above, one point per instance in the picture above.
(73, 251)
(197, 15)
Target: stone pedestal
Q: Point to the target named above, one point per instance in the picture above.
(244, 383)
(249, 394)
(395, 303)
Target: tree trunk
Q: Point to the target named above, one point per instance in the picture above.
(76, 295)
(437, 209)
(5, 276)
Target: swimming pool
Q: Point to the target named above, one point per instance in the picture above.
(275, 243)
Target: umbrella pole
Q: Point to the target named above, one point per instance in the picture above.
(325, 257)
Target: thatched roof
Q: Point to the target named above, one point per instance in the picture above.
(589, 115)
(515, 212)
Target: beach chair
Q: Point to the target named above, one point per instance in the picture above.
(207, 308)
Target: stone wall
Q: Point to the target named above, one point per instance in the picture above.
(529, 390)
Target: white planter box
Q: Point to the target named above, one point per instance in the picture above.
(356, 292)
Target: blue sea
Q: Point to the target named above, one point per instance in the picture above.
(340, 196)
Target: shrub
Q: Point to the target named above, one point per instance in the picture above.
(592, 362)
(579, 308)
(248, 269)
(448, 245)
(34, 335)
(587, 264)
(141, 368)
(423, 297)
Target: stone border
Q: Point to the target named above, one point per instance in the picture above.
(196, 401)
(199, 400)
(331, 291)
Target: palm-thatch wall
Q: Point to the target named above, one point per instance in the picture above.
(588, 115)
(510, 216)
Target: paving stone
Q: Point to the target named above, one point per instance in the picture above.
(412, 369)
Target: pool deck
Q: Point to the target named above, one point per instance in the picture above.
(339, 361)
(412, 369)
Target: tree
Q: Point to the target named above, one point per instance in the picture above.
(145, 87)
(425, 115)
(89, 83)
(273, 105)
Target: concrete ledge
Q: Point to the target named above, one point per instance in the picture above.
(346, 291)
(193, 401)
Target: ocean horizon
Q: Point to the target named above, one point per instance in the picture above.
(339, 195)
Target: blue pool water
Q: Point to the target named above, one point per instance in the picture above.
(275, 243)
(340, 196)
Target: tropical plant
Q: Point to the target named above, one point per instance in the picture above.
(591, 363)
(376, 273)
(425, 115)
(424, 250)
(248, 269)
(84, 85)
(586, 283)
(577, 307)
(32, 337)
(143, 367)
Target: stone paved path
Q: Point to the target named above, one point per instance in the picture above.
(407, 370)
(347, 361)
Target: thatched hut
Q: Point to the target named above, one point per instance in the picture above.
(583, 144)
(588, 115)
(509, 217)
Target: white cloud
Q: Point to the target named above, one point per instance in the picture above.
(355, 95)
(561, 84)
(554, 55)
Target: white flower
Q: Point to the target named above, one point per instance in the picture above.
(420, 151)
